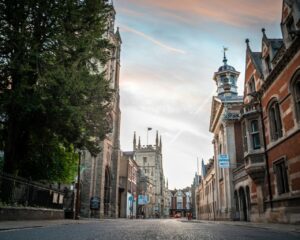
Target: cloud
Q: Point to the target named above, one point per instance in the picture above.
(151, 39)
(233, 12)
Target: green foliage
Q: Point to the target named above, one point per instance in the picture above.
(53, 97)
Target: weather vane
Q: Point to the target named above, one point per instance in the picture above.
(224, 50)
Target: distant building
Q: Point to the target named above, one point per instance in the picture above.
(194, 194)
(146, 188)
(181, 202)
(149, 159)
(128, 180)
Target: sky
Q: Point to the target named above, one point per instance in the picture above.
(170, 51)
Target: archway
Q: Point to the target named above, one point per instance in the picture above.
(237, 207)
(107, 187)
(248, 202)
(243, 205)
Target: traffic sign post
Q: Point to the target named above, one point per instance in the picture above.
(224, 161)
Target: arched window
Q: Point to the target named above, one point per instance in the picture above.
(255, 134)
(275, 121)
(296, 94)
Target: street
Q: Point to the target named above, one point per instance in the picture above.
(149, 229)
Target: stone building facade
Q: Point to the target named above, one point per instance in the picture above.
(263, 140)
(146, 188)
(181, 202)
(99, 174)
(149, 159)
(271, 122)
(225, 126)
(128, 184)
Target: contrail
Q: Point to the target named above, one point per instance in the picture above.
(195, 112)
(153, 40)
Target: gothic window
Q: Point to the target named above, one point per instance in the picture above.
(255, 134)
(275, 121)
(245, 142)
(290, 26)
(296, 94)
(268, 64)
(144, 160)
(281, 177)
(252, 86)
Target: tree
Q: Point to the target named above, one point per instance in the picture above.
(53, 96)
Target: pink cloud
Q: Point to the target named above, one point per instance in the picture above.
(233, 12)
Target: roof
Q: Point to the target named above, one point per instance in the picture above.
(226, 68)
(275, 44)
(256, 57)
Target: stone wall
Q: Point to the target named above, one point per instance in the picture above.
(18, 213)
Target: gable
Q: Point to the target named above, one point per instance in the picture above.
(215, 112)
(286, 10)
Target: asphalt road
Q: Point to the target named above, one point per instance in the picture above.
(147, 229)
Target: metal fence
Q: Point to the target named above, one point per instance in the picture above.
(16, 191)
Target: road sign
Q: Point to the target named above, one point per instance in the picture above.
(142, 199)
(224, 161)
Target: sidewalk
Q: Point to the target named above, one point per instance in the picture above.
(269, 226)
(11, 225)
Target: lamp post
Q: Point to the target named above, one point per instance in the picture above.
(77, 204)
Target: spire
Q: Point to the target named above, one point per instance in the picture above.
(203, 168)
(247, 42)
(225, 59)
(134, 141)
(264, 33)
(160, 144)
(139, 144)
(156, 139)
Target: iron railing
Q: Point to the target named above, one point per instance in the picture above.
(20, 192)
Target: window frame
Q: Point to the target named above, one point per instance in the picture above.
(251, 85)
(245, 139)
(280, 168)
(268, 64)
(275, 120)
(295, 82)
(255, 134)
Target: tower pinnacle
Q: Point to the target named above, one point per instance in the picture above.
(134, 141)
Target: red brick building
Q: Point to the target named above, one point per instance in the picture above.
(271, 123)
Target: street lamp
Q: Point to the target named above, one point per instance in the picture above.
(77, 204)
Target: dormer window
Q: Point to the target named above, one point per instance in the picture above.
(251, 85)
(268, 63)
(290, 26)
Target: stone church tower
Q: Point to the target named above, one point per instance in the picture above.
(99, 173)
(149, 159)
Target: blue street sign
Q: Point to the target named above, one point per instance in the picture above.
(224, 161)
